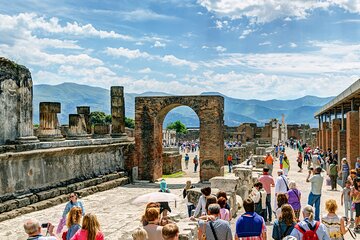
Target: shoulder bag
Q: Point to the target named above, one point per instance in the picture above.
(213, 230)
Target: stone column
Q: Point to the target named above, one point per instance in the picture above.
(117, 111)
(335, 128)
(77, 127)
(49, 125)
(341, 144)
(323, 135)
(327, 138)
(352, 137)
(85, 111)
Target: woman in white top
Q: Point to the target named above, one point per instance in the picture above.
(201, 206)
(335, 225)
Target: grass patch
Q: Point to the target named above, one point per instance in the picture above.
(174, 175)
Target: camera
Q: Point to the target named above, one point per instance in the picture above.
(45, 225)
(311, 168)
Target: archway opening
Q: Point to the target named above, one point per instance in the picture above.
(181, 143)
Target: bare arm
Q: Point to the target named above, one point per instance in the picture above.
(343, 230)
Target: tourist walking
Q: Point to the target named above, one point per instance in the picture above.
(316, 188)
(267, 182)
(281, 184)
(90, 229)
(214, 229)
(285, 224)
(286, 165)
(250, 225)
(269, 162)
(294, 198)
(281, 158)
(347, 202)
(187, 161)
(190, 205)
(355, 194)
(153, 229)
(196, 163)
(344, 171)
(73, 202)
(316, 159)
(258, 195)
(309, 227)
(230, 161)
(281, 199)
(299, 161)
(335, 225)
(73, 222)
(333, 174)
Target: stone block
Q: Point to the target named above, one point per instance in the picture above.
(10, 205)
(22, 202)
(48, 194)
(226, 184)
(260, 151)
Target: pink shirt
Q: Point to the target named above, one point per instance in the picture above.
(267, 181)
(224, 214)
(82, 235)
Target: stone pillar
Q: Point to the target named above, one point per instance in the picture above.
(352, 137)
(85, 111)
(335, 128)
(341, 144)
(77, 127)
(16, 103)
(328, 138)
(101, 130)
(323, 135)
(49, 125)
(117, 111)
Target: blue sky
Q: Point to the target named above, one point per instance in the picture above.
(260, 49)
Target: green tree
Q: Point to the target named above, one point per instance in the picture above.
(129, 122)
(108, 119)
(97, 117)
(178, 126)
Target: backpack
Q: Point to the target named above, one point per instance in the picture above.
(309, 234)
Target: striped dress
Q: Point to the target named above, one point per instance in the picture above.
(333, 225)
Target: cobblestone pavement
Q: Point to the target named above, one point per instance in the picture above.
(118, 217)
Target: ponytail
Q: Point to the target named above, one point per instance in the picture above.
(311, 216)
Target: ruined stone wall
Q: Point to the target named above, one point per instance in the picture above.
(171, 162)
(41, 166)
(15, 102)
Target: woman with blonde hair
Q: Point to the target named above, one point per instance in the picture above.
(73, 222)
(294, 196)
(139, 234)
(333, 222)
(285, 224)
(90, 229)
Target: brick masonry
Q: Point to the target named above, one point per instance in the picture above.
(341, 144)
(335, 128)
(352, 137)
(149, 116)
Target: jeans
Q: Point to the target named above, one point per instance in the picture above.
(268, 210)
(344, 177)
(230, 166)
(333, 179)
(195, 167)
(190, 208)
(347, 206)
(314, 199)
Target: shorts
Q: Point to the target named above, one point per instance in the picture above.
(357, 209)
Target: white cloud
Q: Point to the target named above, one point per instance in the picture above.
(263, 11)
(32, 21)
(179, 62)
(204, 47)
(145, 70)
(220, 49)
(158, 44)
(183, 46)
(145, 15)
(293, 45)
(171, 75)
(265, 43)
(125, 52)
(218, 24)
(246, 32)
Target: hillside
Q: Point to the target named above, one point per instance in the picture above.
(70, 95)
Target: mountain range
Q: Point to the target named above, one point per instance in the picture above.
(237, 111)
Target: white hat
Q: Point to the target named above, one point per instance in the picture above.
(280, 171)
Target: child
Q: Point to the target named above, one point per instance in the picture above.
(224, 213)
(346, 201)
(140, 234)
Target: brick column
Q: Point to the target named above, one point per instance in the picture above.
(335, 128)
(341, 147)
(327, 138)
(320, 135)
(352, 137)
(323, 135)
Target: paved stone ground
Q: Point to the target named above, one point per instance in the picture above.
(118, 217)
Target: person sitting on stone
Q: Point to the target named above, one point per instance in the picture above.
(214, 227)
(74, 202)
(250, 225)
(33, 230)
(170, 232)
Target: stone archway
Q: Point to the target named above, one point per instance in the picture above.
(149, 116)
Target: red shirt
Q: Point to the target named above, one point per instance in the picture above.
(82, 235)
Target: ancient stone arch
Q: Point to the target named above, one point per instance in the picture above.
(150, 113)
